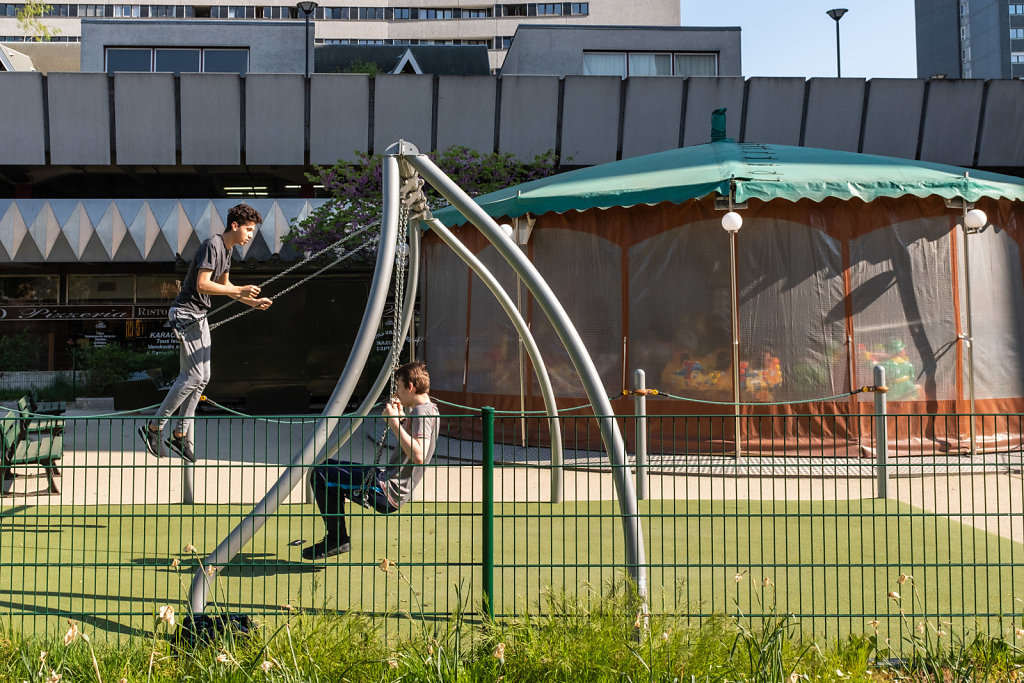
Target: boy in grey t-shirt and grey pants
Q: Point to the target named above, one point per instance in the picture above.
(208, 274)
(413, 419)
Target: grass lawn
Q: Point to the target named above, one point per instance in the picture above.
(110, 566)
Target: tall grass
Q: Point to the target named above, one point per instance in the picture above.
(594, 635)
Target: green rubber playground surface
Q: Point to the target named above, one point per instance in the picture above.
(831, 564)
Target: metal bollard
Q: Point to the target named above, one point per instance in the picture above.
(881, 434)
(487, 413)
(640, 410)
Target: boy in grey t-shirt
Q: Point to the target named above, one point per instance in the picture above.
(413, 419)
(208, 274)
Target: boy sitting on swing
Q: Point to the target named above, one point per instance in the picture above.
(413, 419)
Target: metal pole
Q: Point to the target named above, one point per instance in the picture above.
(543, 379)
(734, 304)
(581, 360)
(488, 512)
(839, 68)
(970, 330)
(361, 347)
(881, 434)
(306, 34)
(640, 405)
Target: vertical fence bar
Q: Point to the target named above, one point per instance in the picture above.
(487, 413)
(640, 403)
(881, 434)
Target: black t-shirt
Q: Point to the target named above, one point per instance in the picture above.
(212, 255)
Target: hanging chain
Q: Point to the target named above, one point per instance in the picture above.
(335, 247)
(401, 262)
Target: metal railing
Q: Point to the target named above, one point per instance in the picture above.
(804, 508)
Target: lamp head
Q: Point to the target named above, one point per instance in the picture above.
(975, 219)
(732, 222)
(307, 6)
(506, 230)
(837, 13)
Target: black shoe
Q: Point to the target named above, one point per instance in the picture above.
(328, 547)
(181, 446)
(152, 441)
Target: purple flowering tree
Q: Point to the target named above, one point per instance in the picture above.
(356, 193)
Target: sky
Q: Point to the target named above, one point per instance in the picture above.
(797, 37)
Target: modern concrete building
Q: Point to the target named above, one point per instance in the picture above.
(624, 51)
(379, 22)
(188, 46)
(970, 38)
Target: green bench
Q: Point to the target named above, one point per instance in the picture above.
(16, 451)
(34, 424)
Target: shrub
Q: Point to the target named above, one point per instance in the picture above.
(105, 365)
(19, 352)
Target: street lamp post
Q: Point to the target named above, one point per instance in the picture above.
(307, 7)
(837, 14)
(731, 223)
(974, 221)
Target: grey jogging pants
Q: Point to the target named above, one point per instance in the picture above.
(194, 344)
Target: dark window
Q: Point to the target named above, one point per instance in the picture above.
(29, 289)
(202, 11)
(129, 59)
(226, 61)
(177, 61)
(519, 10)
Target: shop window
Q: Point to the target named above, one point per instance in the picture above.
(101, 288)
(28, 289)
(156, 288)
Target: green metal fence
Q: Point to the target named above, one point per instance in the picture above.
(801, 514)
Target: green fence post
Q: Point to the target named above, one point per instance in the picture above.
(487, 413)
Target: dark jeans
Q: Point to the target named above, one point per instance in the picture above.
(336, 480)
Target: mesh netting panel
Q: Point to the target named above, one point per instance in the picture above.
(493, 346)
(903, 317)
(444, 330)
(791, 313)
(585, 273)
(997, 313)
(679, 315)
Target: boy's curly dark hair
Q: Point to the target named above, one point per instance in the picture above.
(414, 373)
(242, 214)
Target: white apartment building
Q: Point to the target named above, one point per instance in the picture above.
(378, 22)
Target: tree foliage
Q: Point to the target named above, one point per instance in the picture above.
(30, 22)
(356, 192)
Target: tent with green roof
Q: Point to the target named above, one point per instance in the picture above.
(843, 261)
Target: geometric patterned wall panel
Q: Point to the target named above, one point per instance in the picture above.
(125, 230)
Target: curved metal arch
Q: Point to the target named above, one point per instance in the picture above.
(570, 338)
(361, 347)
(543, 379)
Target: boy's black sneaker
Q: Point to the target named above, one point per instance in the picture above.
(328, 547)
(181, 446)
(152, 441)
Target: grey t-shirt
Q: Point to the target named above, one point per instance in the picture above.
(402, 476)
(212, 255)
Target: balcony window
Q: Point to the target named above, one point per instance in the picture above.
(696, 65)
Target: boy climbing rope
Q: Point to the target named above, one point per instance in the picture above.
(413, 419)
(208, 274)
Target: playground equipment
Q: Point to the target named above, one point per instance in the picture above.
(402, 163)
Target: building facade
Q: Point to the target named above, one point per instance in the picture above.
(624, 51)
(379, 22)
(970, 38)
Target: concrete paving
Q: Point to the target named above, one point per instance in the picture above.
(105, 463)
